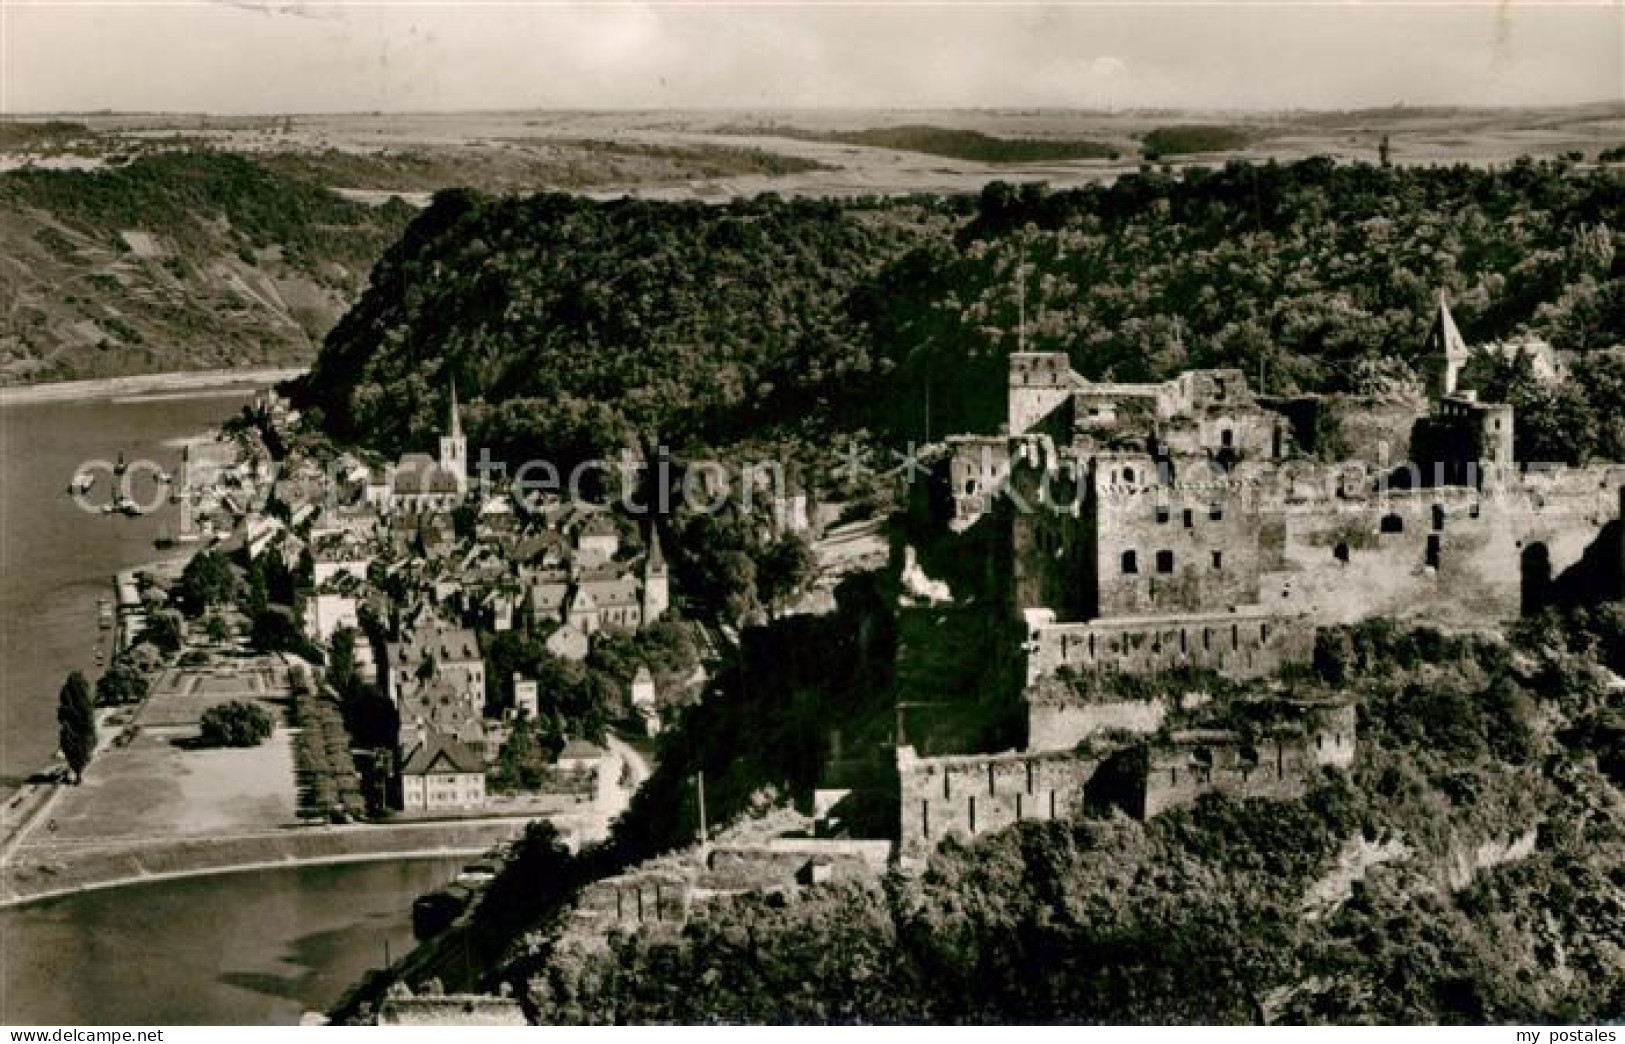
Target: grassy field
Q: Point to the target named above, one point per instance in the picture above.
(161, 785)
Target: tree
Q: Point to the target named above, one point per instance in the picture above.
(76, 724)
(207, 580)
(163, 631)
(122, 684)
(369, 715)
(341, 660)
(216, 628)
(784, 569)
(524, 760)
(275, 629)
(235, 724)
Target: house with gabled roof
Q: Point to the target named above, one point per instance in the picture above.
(441, 773)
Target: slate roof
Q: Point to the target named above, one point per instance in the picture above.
(418, 473)
(440, 754)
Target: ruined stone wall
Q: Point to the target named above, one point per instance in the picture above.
(977, 794)
(632, 900)
(1050, 538)
(1055, 725)
(1049, 553)
(1376, 431)
(783, 862)
(1183, 547)
(1451, 555)
(1279, 767)
(978, 467)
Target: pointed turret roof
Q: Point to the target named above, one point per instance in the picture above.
(1445, 335)
(657, 556)
(454, 424)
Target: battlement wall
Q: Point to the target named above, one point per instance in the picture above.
(1279, 767)
(971, 795)
(1244, 644)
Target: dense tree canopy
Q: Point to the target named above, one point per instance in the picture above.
(235, 724)
(572, 327)
(1222, 912)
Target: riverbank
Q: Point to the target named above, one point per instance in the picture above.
(180, 383)
(48, 871)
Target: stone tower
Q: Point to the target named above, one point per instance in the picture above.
(656, 581)
(453, 447)
(1040, 383)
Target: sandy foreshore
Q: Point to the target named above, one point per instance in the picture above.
(146, 384)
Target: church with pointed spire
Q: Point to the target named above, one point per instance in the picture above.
(420, 484)
(1447, 352)
(453, 446)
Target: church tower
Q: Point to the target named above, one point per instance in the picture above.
(1446, 354)
(453, 447)
(656, 581)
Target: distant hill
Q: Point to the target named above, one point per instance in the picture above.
(971, 145)
(571, 326)
(175, 260)
(1188, 138)
(126, 255)
(950, 143)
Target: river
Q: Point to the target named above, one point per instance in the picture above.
(247, 948)
(57, 559)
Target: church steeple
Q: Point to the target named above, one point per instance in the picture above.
(656, 580)
(1447, 352)
(453, 447)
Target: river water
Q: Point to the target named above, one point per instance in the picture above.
(57, 559)
(248, 948)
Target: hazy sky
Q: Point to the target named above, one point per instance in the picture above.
(254, 56)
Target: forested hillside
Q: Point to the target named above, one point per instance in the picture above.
(573, 325)
(1397, 894)
(175, 260)
(127, 253)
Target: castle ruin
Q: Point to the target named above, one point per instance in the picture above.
(1194, 524)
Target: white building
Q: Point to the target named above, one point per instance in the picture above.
(644, 703)
(525, 702)
(326, 613)
(440, 774)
